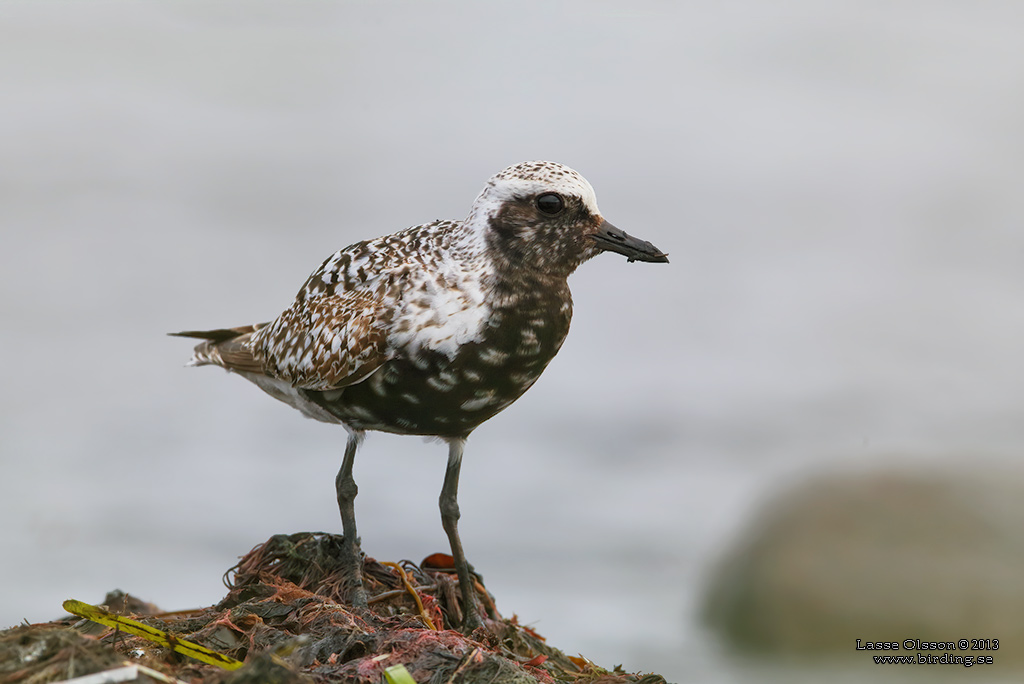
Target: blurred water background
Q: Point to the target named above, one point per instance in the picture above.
(838, 185)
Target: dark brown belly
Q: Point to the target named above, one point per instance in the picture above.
(430, 394)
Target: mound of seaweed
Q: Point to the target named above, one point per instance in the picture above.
(286, 617)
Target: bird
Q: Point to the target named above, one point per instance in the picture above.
(431, 330)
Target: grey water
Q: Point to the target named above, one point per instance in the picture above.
(838, 186)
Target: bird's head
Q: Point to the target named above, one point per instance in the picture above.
(543, 216)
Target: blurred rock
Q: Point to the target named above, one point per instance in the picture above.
(885, 556)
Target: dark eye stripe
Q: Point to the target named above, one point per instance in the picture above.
(550, 203)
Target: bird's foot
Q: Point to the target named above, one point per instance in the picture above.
(469, 591)
(481, 590)
(470, 622)
(352, 570)
(357, 597)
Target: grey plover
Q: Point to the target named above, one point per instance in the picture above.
(431, 330)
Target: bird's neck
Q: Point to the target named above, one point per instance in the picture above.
(525, 289)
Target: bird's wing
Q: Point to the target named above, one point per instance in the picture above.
(325, 342)
(336, 332)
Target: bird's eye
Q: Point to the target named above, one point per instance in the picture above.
(550, 203)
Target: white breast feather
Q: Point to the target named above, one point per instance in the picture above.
(441, 318)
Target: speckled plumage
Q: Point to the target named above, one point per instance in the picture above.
(434, 329)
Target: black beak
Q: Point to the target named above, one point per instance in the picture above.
(611, 239)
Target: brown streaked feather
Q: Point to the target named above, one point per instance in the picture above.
(225, 347)
(326, 342)
(236, 355)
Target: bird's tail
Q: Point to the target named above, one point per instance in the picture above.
(224, 347)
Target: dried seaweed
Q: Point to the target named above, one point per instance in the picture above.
(285, 615)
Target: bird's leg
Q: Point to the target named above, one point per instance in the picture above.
(351, 560)
(450, 521)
